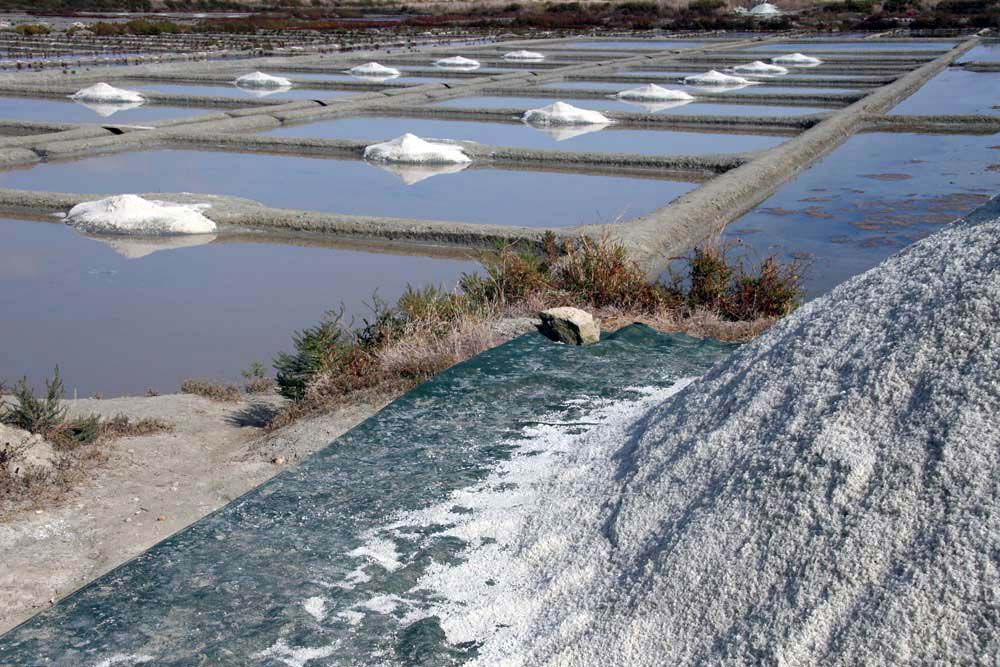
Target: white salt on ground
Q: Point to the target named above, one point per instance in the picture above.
(374, 69)
(131, 214)
(828, 494)
(561, 113)
(716, 79)
(262, 80)
(104, 93)
(523, 55)
(797, 60)
(411, 149)
(760, 68)
(653, 93)
(457, 62)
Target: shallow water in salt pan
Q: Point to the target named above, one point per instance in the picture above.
(484, 196)
(955, 91)
(58, 110)
(519, 135)
(988, 52)
(923, 48)
(120, 326)
(760, 90)
(637, 45)
(875, 194)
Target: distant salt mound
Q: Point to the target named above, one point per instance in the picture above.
(411, 149)
(133, 215)
(374, 70)
(261, 80)
(716, 79)
(797, 60)
(561, 113)
(523, 55)
(102, 93)
(653, 93)
(457, 62)
(825, 495)
(760, 68)
(765, 10)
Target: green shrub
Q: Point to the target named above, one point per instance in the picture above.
(316, 348)
(37, 415)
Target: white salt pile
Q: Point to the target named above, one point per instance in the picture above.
(716, 79)
(411, 149)
(131, 214)
(103, 93)
(760, 68)
(374, 70)
(797, 60)
(765, 10)
(826, 495)
(523, 55)
(261, 80)
(653, 93)
(457, 62)
(560, 113)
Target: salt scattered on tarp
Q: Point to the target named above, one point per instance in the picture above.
(653, 93)
(760, 68)
(411, 149)
(457, 62)
(716, 79)
(262, 80)
(103, 93)
(374, 70)
(561, 113)
(825, 495)
(797, 60)
(131, 214)
(523, 55)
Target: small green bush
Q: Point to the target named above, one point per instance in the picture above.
(37, 415)
(315, 350)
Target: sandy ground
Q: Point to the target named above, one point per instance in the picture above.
(151, 487)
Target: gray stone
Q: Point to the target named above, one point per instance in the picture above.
(570, 325)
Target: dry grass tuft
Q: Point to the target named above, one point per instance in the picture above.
(121, 426)
(217, 391)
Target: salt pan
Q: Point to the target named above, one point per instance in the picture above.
(797, 60)
(760, 68)
(653, 93)
(411, 149)
(374, 70)
(523, 55)
(457, 62)
(261, 80)
(716, 79)
(561, 113)
(131, 214)
(106, 94)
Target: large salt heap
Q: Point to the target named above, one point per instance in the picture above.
(828, 494)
